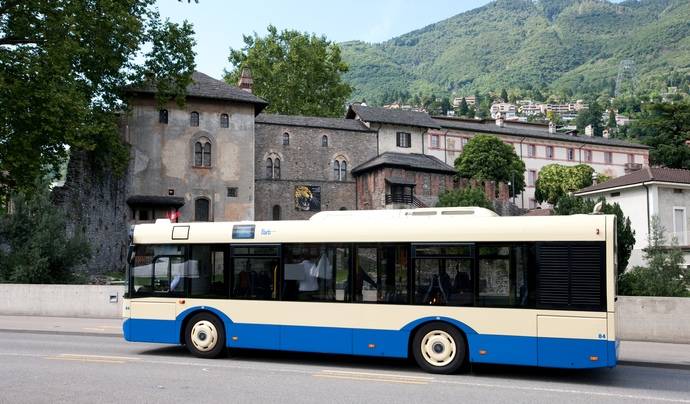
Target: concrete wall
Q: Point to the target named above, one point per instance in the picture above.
(61, 300)
(659, 319)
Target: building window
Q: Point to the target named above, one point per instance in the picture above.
(276, 212)
(434, 141)
(273, 168)
(549, 152)
(163, 116)
(609, 157)
(232, 192)
(615, 194)
(463, 142)
(286, 139)
(202, 153)
(532, 203)
(324, 141)
(201, 210)
(340, 170)
(588, 156)
(532, 178)
(426, 184)
(336, 170)
(403, 139)
(531, 150)
(677, 191)
(194, 119)
(224, 120)
(571, 154)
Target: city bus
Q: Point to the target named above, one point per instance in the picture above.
(445, 286)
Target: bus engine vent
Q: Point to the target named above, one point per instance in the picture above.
(570, 276)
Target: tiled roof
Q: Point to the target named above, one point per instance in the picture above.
(313, 122)
(205, 86)
(645, 174)
(391, 116)
(491, 127)
(414, 161)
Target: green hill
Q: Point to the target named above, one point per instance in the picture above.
(570, 47)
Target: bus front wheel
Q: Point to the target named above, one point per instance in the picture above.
(439, 348)
(205, 336)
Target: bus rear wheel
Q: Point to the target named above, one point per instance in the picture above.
(439, 348)
(205, 336)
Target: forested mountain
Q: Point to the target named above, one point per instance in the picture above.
(569, 47)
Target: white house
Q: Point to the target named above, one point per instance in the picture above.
(650, 191)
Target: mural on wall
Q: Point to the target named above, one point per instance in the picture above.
(308, 198)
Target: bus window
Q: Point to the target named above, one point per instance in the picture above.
(206, 272)
(315, 272)
(505, 276)
(444, 281)
(254, 272)
(158, 269)
(381, 274)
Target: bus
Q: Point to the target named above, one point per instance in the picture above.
(445, 286)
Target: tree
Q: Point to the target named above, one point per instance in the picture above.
(486, 157)
(504, 95)
(612, 119)
(63, 67)
(556, 181)
(300, 74)
(37, 249)
(464, 197)
(571, 205)
(665, 127)
(591, 116)
(462, 109)
(445, 105)
(664, 275)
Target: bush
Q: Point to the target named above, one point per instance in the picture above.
(34, 247)
(464, 197)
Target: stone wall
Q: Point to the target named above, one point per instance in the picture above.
(94, 202)
(97, 301)
(304, 161)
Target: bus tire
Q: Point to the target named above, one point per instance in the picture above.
(205, 336)
(439, 348)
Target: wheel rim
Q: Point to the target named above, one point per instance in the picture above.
(204, 335)
(438, 348)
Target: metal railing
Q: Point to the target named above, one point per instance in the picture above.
(399, 198)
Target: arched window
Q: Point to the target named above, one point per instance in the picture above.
(343, 170)
(324, 141)
(194, 119)
(276, 212)
(224, 120)
(201, 210)
(336, 170)
(163, 116)
(276, 168)
(286, 139)
(269, 168)
(202, 153)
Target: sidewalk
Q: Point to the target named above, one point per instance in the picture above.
(632, 353)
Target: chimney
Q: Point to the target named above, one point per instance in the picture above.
(552, 127)
(595, 178)
(589, 131)
(246, 82)
(605, 133)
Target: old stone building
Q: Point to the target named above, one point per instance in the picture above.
(192, 163)
(303, 164)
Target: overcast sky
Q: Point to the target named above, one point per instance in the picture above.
(220, 24)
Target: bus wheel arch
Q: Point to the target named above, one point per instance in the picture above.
(203, 332)
(439, 347)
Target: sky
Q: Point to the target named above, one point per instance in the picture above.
(219, 25)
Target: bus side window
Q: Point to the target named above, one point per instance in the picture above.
(380, 274)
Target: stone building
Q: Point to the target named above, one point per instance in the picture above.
(192, 163)
(303, 164)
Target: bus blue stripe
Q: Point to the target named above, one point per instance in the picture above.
(483, 348)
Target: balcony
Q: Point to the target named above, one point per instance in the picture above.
(399, 198)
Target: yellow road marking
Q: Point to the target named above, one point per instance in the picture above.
(126, 358)
(369, 379)
(63, 358)
(93, 329)
(387, 375)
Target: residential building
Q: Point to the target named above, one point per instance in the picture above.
(503, 109)
(471, 100)
(648, 192)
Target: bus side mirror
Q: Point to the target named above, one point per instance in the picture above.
(130, 255)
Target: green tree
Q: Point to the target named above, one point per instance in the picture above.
(664, 275)
(612, 119)
(557, 180)
(504, 95)
(665, 128)
(463, 109)
(486, 157)
(464, 197)
(300, 74)
(591, 116)
(37, 248)
(571, 205)
(445, 105)
(63, 67)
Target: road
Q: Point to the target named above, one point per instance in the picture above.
(57, 368)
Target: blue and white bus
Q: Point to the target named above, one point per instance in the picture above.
(446, 286)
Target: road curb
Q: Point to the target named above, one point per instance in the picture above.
(664, 365)
(77, 333)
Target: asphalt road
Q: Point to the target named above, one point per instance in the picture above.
(52, 368)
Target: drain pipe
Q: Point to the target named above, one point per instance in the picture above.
(649, 225)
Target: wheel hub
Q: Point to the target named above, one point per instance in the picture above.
(438, 348)
(204, 335)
